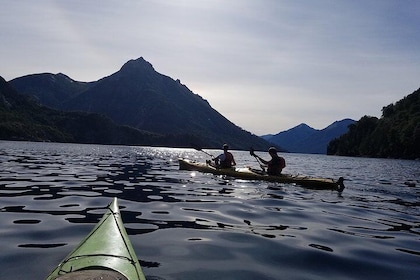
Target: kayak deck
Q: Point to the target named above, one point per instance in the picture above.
(105, 253)
(249, 174)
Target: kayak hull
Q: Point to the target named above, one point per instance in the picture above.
(249, 174)
(105, 253)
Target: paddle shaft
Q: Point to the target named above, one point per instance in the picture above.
(256, 157)
(201, 150)
(210, 155)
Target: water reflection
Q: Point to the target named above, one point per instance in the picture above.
(181, 223)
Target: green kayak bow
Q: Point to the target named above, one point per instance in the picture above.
(105, 253)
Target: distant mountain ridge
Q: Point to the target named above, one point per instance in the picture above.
(139, 97)
(305, 139)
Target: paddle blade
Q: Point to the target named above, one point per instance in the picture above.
(196, 147)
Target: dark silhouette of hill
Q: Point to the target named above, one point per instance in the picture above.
(305, 139)
(395, 135)
(140, 97)
(48, 89)
(22, 118)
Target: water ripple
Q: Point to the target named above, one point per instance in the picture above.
(189, 225)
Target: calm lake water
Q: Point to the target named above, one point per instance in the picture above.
(189, 225)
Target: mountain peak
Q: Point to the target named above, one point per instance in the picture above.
(302, 128)
(139, 64)
(303, 125)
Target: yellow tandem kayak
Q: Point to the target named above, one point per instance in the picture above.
(249, 174)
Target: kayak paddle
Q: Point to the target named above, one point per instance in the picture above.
(251, 152)
(198, 148)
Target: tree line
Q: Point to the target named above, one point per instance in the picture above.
(395, 135)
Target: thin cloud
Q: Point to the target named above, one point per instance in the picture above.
(265, 65)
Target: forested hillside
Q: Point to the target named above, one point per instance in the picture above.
(21, 118)
(395, 135)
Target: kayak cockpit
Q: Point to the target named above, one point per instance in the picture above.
(99, 273)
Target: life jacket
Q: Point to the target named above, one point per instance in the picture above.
(226, 160)
(276, 165)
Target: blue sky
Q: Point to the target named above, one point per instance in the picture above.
(266, 65)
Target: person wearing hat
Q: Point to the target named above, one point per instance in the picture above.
(275, 165)
(226, 159)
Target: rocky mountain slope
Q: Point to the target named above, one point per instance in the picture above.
(140, 97)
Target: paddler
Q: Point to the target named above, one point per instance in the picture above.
(275, 165)
(225, 160)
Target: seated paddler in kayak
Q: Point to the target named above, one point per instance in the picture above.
(275, 165)
(225, 160)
